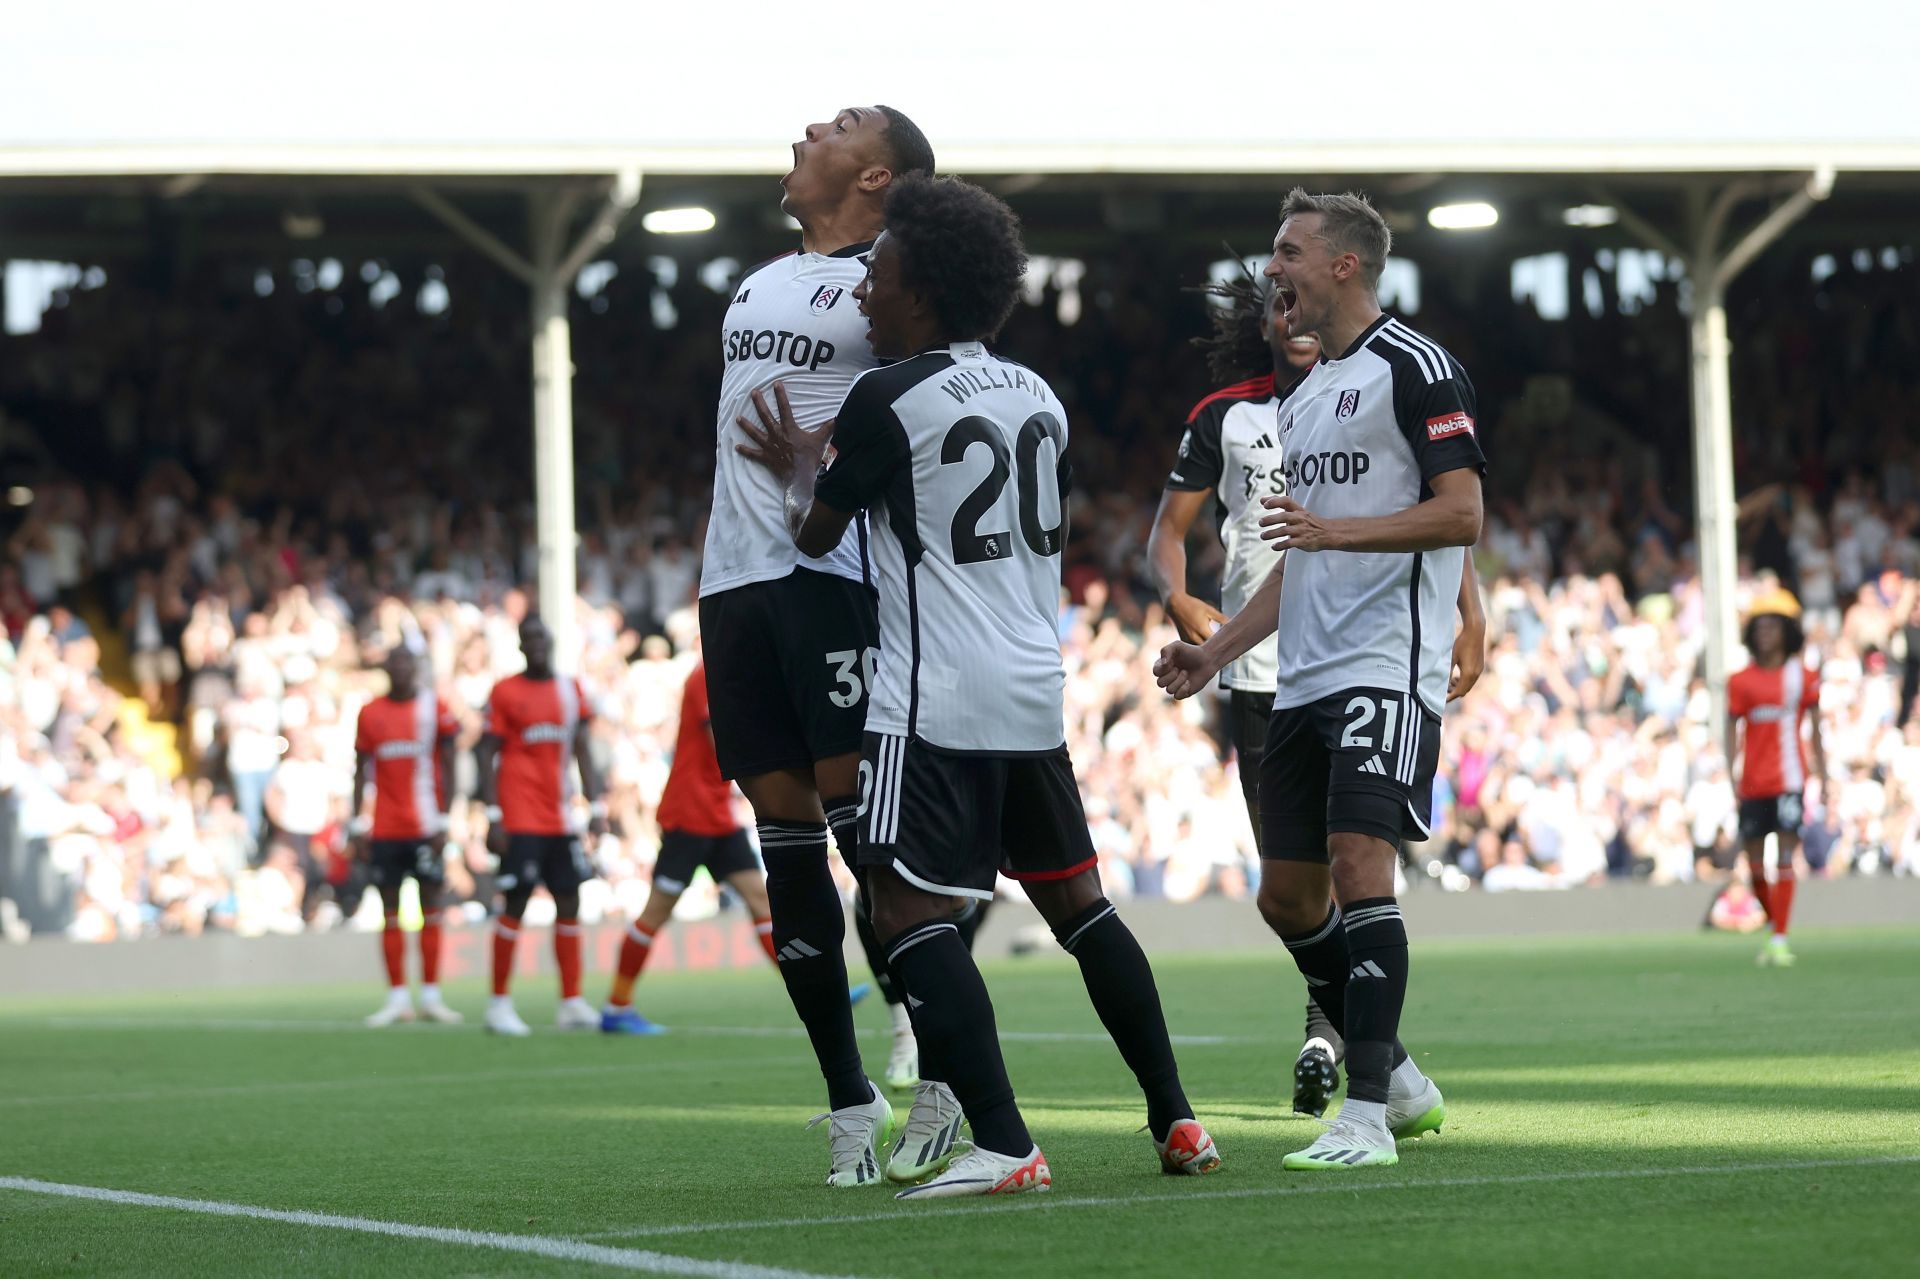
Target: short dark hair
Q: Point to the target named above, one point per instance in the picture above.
(910, 151)
(1350, 224)
(961, 245)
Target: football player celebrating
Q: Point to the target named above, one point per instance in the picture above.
(536, 733)
(1383, 473)
(790, 638)
(958, 457)
(403, 748)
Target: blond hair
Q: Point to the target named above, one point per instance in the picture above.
(1349, 224)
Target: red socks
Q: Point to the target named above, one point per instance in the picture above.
(1780, 905)
(763, 929)
(634, 949)
(430, 948)
(393, 945)
(506, 934)
(566, 954)
(1762, 892)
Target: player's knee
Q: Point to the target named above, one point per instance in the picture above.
(390, 899)
(513, 904)
(1059, 901)
(787, 795)
(566, 905)
(897, 906)
(1291, 904)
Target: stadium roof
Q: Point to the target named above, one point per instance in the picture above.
(572, 86)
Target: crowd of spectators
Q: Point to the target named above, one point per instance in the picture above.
(280, 486)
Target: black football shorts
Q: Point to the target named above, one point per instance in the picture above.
(1360, 761)
(788, 667)
(949, 823)
(682, 853)
(394, 860)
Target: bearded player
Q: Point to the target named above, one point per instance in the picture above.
(536, 734)
(403, 749)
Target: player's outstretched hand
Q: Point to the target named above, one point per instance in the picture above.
(1291, 526)
(779, 442)
(1183, 669)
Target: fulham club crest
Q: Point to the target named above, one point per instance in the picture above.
(1349, 405)
(825, 296)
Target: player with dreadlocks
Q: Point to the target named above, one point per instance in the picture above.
(1232, 453)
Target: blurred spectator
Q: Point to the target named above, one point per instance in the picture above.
(282, 487)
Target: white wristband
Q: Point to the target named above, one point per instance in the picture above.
(597, 809)
(359, 826)
(494, 815)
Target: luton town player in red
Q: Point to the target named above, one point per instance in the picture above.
(1771, 697)
(536, 731)
(697, 828)
(404, 747)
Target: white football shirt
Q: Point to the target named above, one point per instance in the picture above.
(1362, 435)
(792, 321)
(958, 457)
(1232, 449)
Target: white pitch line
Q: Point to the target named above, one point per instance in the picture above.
(745, 1032)
(373, 1081)
(1336, 1182)
(658, 1263)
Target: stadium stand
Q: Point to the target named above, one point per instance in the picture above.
(285, 478)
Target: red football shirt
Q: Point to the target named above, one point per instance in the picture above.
(535, 720)
(697, 799)
(409, 794)
(1772, 702)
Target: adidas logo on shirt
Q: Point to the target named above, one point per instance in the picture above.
(797, 949)
(1373, 765)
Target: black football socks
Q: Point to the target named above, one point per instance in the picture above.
(809, 929)
(1376, 992)
(1120, 983)
(1323, 958)
(953, 1020)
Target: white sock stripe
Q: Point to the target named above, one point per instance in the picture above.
(505, 930)
(1325, 931)
(639, 935)
(842, 815)
(567, 930)
(784, 836)
(918, 935)
(1070, 942)
(1367, 912)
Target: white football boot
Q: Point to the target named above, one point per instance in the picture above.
(857, 1138)
(982, 1172)
(931, 1137)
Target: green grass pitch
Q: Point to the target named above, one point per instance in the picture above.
(1618, 1107)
